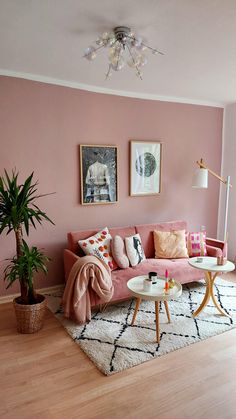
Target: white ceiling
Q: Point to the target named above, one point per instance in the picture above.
(45, 40)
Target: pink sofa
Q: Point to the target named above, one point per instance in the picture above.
(178, 268)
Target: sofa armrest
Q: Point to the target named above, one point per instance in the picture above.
(69, 259)
(216, 247)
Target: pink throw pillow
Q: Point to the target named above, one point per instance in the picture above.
(197, 244)
(99, 245)
(118, 252)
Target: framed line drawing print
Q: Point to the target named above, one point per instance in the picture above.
(98, 174)
(145, 167)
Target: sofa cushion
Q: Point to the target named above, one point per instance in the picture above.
(99, 245)
(74, 236)
(170, 244)
(146, 234)
(119, 253)
(197, 244)
(134, 249)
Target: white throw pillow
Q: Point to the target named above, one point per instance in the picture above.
(134, 249)
(99, 245)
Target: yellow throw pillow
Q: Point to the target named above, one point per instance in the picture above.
(170, 244)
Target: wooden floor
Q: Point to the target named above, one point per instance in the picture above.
(46, 375)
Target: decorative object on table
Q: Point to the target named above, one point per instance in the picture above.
(124, 46)
(98, 171)
(145, 167)
(221, 260)
(166, 288)
(197, 244)
(170, 244)
(99, 245)
(200, 180)
(171, 282)
(211, 270)
(153, 277)
(147, 284)
(114, 345)
(18, 210)
(134, 249)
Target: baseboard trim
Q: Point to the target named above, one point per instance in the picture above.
(9, 298)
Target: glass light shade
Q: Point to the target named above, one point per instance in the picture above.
(138, 41)
(111, 52)
(90, 53)
(91, 56)
(118, 65)
(200, 179)
(105, 35)
(143, 60)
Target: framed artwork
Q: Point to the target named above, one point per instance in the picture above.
(145, 167)
(98, 174)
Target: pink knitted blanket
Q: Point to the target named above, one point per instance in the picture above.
(88, 273)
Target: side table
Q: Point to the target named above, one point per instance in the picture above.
(211, 270)
(157, 294)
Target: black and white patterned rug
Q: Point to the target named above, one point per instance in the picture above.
(114, 345)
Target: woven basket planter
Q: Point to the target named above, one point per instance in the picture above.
(30, 317)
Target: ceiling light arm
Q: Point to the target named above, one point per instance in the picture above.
(202, 165)
(154, 50)
(108, 71)
(137, 69)
(95, 50)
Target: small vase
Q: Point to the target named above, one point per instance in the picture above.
(147, 285)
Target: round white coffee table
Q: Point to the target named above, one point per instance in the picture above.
(157, 294)
(211, 269)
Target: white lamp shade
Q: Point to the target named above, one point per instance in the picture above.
(200, 178)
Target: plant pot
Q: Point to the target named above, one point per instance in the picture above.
(30, 317)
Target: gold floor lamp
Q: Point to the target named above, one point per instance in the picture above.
(200, 180)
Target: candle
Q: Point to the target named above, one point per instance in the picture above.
(166, 281)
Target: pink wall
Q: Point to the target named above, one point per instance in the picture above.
(41, 128)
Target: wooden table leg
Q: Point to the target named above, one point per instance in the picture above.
(157, 321)
(167, 311)
(138, 301)
(210, 294)
(206, 297)
(213, 296)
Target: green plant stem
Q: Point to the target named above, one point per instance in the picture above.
(23, 285)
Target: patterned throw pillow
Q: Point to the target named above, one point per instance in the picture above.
(134, 249)
(99, 245)
(197, 244)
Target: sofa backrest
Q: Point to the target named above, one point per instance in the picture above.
(146, 233)
(74, 236)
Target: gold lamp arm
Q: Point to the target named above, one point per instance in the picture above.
(202, 165)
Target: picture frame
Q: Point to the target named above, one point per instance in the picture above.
(145, 167)
(98, 174)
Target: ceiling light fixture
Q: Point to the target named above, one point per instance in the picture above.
(123, 47)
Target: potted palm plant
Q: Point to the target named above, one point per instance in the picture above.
(19, 212)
